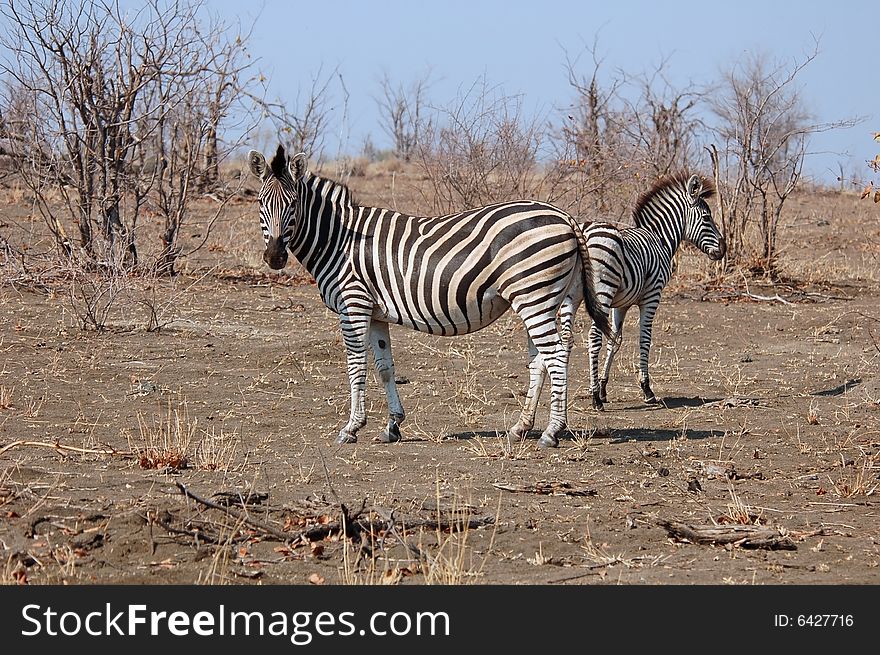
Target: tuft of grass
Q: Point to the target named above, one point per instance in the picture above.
(738, 512)
(216, 451)
(165, 442)
(858, 477)
(218, 572)
(505, 448)
(6, 397)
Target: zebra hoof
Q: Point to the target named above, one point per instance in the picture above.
(546, 441)
(598, 405)
(652, 400)
(391, 434)
(346, 437)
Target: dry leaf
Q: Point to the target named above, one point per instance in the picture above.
(315, 578)
(867, 191)
(877, 196)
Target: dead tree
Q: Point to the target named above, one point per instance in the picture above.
(764, 130)
(112, 108)
(401, 110)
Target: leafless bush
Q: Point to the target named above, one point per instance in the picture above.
(874, 165)
(662, 124)
(764, 130)
(401, 111)
(115, 111)
(304, 125)
(619, 135)
(480, 149)
(591, 149)
(93, 296)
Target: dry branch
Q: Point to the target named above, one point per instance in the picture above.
(545, 488)
(352, 524)
(61, 448)
(254, 523)
(744, 536)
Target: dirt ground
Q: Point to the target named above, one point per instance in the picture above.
(768, 434)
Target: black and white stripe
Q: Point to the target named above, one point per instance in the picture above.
(444, 275)
(632, 265)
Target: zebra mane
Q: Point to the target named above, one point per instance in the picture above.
(326, 187)
(279, 162)
(675, 184)
(322, 185)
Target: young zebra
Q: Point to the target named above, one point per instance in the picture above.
(445, 275)
(631, 266)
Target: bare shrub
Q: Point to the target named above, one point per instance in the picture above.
(115, 111)
(401, 110)
(93, 296)
(764, 130)
(619, 134)
(874, 165)
(480, 149)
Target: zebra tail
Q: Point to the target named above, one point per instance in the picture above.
(599, 317)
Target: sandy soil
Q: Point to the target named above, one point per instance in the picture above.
(768, 434)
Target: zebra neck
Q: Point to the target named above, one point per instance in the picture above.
(325, 210)
(666, 224)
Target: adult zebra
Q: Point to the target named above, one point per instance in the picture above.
(632, 265)
(445, 275)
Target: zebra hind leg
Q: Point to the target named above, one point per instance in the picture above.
(380, 344)
(537, 374)
(600, 393)
(556, 364)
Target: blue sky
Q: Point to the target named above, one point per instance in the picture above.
(522, 46)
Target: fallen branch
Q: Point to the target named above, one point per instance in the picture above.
(60, 447)
(545, 488)
(773, 298)
(239, 516)
(744, 536)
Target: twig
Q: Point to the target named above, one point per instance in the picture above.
(776, 298)
(254, 523)
(545, 488)
(61, 448)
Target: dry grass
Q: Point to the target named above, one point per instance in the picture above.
(6, 395)
(858, 477)
(216, 451)
(164, 442)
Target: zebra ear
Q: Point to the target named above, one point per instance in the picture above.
(297, 166)
(257, 164)
(694, 188)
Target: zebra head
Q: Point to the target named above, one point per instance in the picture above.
(279, 200)
(699, 228)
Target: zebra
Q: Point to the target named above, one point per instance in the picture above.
(632, 265)
(446, 275)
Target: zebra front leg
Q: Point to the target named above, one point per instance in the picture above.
(380, 343)
(617, 316)
(354, 335)
(537, 373)
(646, 323)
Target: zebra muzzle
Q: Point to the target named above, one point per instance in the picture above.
(718, 253)
(276, 254)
